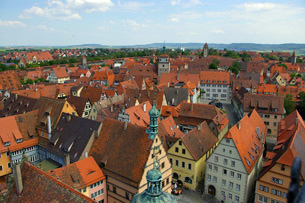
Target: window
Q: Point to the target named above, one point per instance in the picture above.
(84, 189)
(176, 149)
(216, 158)
(215, 169)
(190, 166)
(223, 150)
(238, 176)
(209, 177)
(9, 165)
(233, 163)
(183, 151)
(180, 142)
(223, 182)
(167, 181)
(260, 198)
(230, 196)
(0, 167)
(237, 187)
(7, 153)
(225, 161)
(114, 189)
(210, 167)
(267, 116)
(275, 116)
(177, 162)
(162, 184)
(237, 198)
(215, 179)
(232, 174)
(276, 180)
(227, 141)
(224, 171)
(230, 151)
(162, 165)
(231, 185)
(171, 160)
(285, 195)
(183, 164)
(274, 124)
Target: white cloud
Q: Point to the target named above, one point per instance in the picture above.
(187, 15)
(134, 5)
(258, 6)
(175, 2)
(101, 28)
(57, 9)
(11, 23)
(43, 27)
(133, 24)
(218, 31)
(174, 20)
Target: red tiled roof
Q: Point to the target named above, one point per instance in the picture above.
(79, 174)
(246, 140)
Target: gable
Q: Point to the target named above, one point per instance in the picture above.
(172, 150)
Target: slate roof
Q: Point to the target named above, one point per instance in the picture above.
(124, 152)
(38, 187)
(71, 132)
(199, 140)
(174, 96)
(17, 104)
(80, 174)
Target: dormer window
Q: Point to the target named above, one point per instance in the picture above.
(19, 140)
(6, 144)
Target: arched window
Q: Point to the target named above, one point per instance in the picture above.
(188, 180)
(269, 131)
(175, 175)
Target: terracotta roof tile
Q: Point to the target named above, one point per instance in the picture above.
(45, 187)
(80, 174)
(116, 148)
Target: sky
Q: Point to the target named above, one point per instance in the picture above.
(125, 22)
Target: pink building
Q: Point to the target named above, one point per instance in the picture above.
(86, 177)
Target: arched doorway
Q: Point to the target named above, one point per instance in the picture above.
(188, 180)
(175, 176)
(211, 190)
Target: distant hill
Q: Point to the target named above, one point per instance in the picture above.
(289, 47)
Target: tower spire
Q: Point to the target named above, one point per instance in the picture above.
(164, 47)
(154, 114)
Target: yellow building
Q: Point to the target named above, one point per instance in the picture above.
(273, 183)
(10, 136)
(189, 154)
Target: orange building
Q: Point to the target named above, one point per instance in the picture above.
(273, 183)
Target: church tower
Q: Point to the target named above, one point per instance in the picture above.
(293, 58)
(154, 114)
(205, 50)
(163, 63)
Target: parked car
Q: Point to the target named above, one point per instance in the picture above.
(217, 104)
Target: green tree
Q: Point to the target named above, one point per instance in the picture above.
(300, 60)
(235, 68)
(213, 66)
(216, 61)
(289, 104)
(281, 59)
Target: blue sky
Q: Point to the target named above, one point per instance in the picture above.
(124, 22)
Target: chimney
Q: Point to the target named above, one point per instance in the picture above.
(18, 178)
(86, 155)
(125, 125)
(144, 107)
(296, 121)
(173, 101)
(49, 127)
(238, 125)
(111, 108)
(67, 159)
(168, 84)
(178, 73)
(199, 127)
